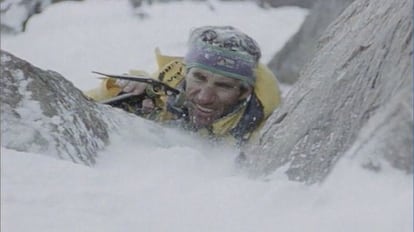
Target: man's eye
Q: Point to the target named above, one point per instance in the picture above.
(225, 86)
(199, 78)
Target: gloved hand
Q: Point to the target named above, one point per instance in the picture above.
(134, 87)
(137, 88)
(148, 106)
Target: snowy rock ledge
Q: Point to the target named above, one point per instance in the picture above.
(42, 112)
(354, 97)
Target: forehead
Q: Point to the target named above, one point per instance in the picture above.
(211, 75)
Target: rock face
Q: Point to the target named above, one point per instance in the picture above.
(289, 61)
(388, 135)
(42, 112)
(354, 96)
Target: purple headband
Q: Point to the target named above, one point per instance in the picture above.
(225, 62)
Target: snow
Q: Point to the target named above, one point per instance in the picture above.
(175, 183)
(15, 15)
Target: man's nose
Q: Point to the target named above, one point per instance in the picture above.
(206, 95)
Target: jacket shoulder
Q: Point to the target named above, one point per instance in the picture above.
(267, 89)
(163, 60)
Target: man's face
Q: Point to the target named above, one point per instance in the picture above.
(210, 95)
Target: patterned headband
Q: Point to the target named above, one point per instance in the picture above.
(225, 51)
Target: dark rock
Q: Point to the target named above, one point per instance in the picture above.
(355, 95)
(288, 62)
(280, 3)
(25, 9)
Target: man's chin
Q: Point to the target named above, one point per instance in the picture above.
(200, 122)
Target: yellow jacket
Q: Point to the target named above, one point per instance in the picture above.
(238, 127)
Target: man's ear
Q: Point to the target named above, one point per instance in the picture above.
(245, 92)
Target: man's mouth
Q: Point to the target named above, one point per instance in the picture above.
(203, 112)
(204, 109)
(202, 115)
